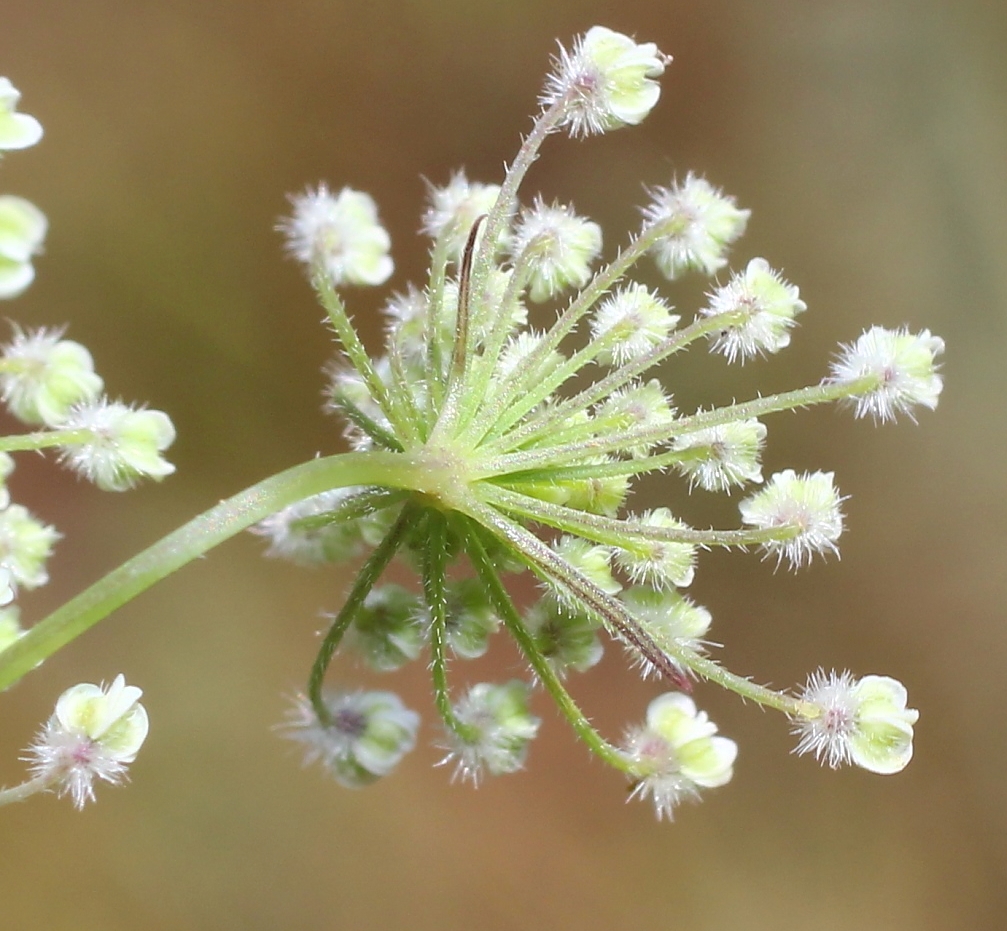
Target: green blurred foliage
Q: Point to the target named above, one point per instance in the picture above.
(867, 138)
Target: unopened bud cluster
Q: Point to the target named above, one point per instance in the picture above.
(48, 383)
(522, 444)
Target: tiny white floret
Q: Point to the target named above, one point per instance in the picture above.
(762, 307)
(339, 235)
(903, 366)
(119, 445)
(808, 505)
(17, 130)
(861, 721)
(698, 223)
(42, 376)
(605, 82)
(677, 753)
(94, 733)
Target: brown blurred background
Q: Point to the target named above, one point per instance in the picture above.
(868, 138)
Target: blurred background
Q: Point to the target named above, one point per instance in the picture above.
(867, 138)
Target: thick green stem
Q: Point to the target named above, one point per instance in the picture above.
(230, 517)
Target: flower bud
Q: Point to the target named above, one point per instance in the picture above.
(25, 545)
(809, 503)
(638, 320)
(722, 457)
(671, 620)
(567, 639)
(386, 631)
(660, 563)
(470, 619)
(455, 208)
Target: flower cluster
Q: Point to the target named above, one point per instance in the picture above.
(49, 384)
(497, 442)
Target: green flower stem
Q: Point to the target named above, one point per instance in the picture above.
(599, 390)
(489, 421)
(351, 508)
(549, 565)
(484, 365)
(387, 469)
(44, 439)
(618, 618)
(506, 200)
(612, 531)
(435, 322)
(504, 606)
(365, 580)
(823, 393)
(651, 434)
(359, 419)
(23, 791)
(393, 408)
(434, 589)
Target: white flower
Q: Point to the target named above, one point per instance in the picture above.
(605, 82)
(699, 224)
(639, 320)
(661, 563)
(567, 639)
(671, 620)
(677, 753)
(808, 504)
(722, 457)
(766, 306)
(559, 247)
(17, 130)
(121, 444)
(10, 625)
(6, 588)
(365, 737)
(6, 467)
(25, 545)
(455, 208)
(42, 376)
(903, 366)
(499, 728)
(861, 721)
(22, 230)
(340, 235)
(95, 732)
(293, 535)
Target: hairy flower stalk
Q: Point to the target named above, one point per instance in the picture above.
(475, 459)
